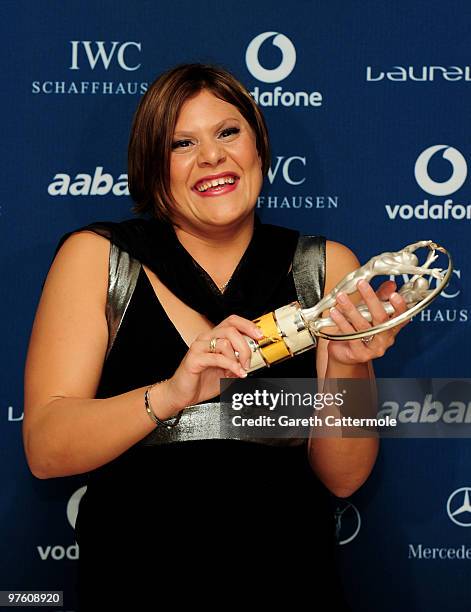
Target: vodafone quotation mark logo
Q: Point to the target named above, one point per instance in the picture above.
(288, 58)
(457, 178)
(347, 522)
(73, 505)
(441, 209)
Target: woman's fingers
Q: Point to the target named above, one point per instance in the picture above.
(222, 346)
(385, 290)
(400, 306)
(373, 303)
(340, 320)
(238, 345)
(205, 359)
(348, 309)
(231, 330)
(244, 326)
(357, 350)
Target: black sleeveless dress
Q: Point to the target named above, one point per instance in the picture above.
(212, 522)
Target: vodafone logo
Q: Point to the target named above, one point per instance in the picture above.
(288, 58)
(73, 505)
(276, 96)
(445, 209)
(458, 175)
(347, 522)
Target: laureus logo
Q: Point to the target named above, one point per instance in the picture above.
(288, 58)
(458, 174)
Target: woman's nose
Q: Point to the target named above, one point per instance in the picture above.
(210, 153)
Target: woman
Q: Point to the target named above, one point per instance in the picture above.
(166, 300)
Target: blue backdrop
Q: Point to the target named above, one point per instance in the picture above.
(367, 106)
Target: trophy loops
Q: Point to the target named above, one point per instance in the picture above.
(416, 291)
(291, 330)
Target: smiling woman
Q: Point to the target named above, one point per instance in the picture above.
(138, 322)
(211, 134)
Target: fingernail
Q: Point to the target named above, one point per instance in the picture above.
(259, 333)
(333, 311)
(243, 373)
(342, 298)
(394, 296)
(247, 364)
(362, 284)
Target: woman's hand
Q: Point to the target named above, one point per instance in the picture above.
(348, 320)
(197, 378)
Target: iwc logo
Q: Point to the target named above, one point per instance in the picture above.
(285, 67)
(98, 67)
(347, 522)
(290, 170)
(458, 507)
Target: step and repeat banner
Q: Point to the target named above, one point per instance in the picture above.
(367, 105)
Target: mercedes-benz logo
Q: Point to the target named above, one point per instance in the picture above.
(459, 507)
(347, 522)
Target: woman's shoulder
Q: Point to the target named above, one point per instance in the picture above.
(340, 260)
(99, 231)
(81, 249)
(340, 253)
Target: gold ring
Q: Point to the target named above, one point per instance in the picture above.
(212, 345)
(367, 339)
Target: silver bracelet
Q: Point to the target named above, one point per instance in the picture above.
(160, 422)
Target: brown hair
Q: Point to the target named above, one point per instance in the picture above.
(150, 142)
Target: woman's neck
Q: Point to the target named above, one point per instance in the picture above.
(218, 252)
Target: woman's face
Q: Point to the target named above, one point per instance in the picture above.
(215, 169)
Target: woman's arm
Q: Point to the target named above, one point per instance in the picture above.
(65, 431)
(343, 464)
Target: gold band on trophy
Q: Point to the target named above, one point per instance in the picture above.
(272, 346)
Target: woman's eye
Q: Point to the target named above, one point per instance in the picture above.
(181, 144)
(230, 132)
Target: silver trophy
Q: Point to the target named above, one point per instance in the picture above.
(290, 330)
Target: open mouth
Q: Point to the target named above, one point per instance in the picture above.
(216, 185)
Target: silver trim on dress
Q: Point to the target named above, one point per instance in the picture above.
(123, 274)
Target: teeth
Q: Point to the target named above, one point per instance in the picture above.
(216, 182)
